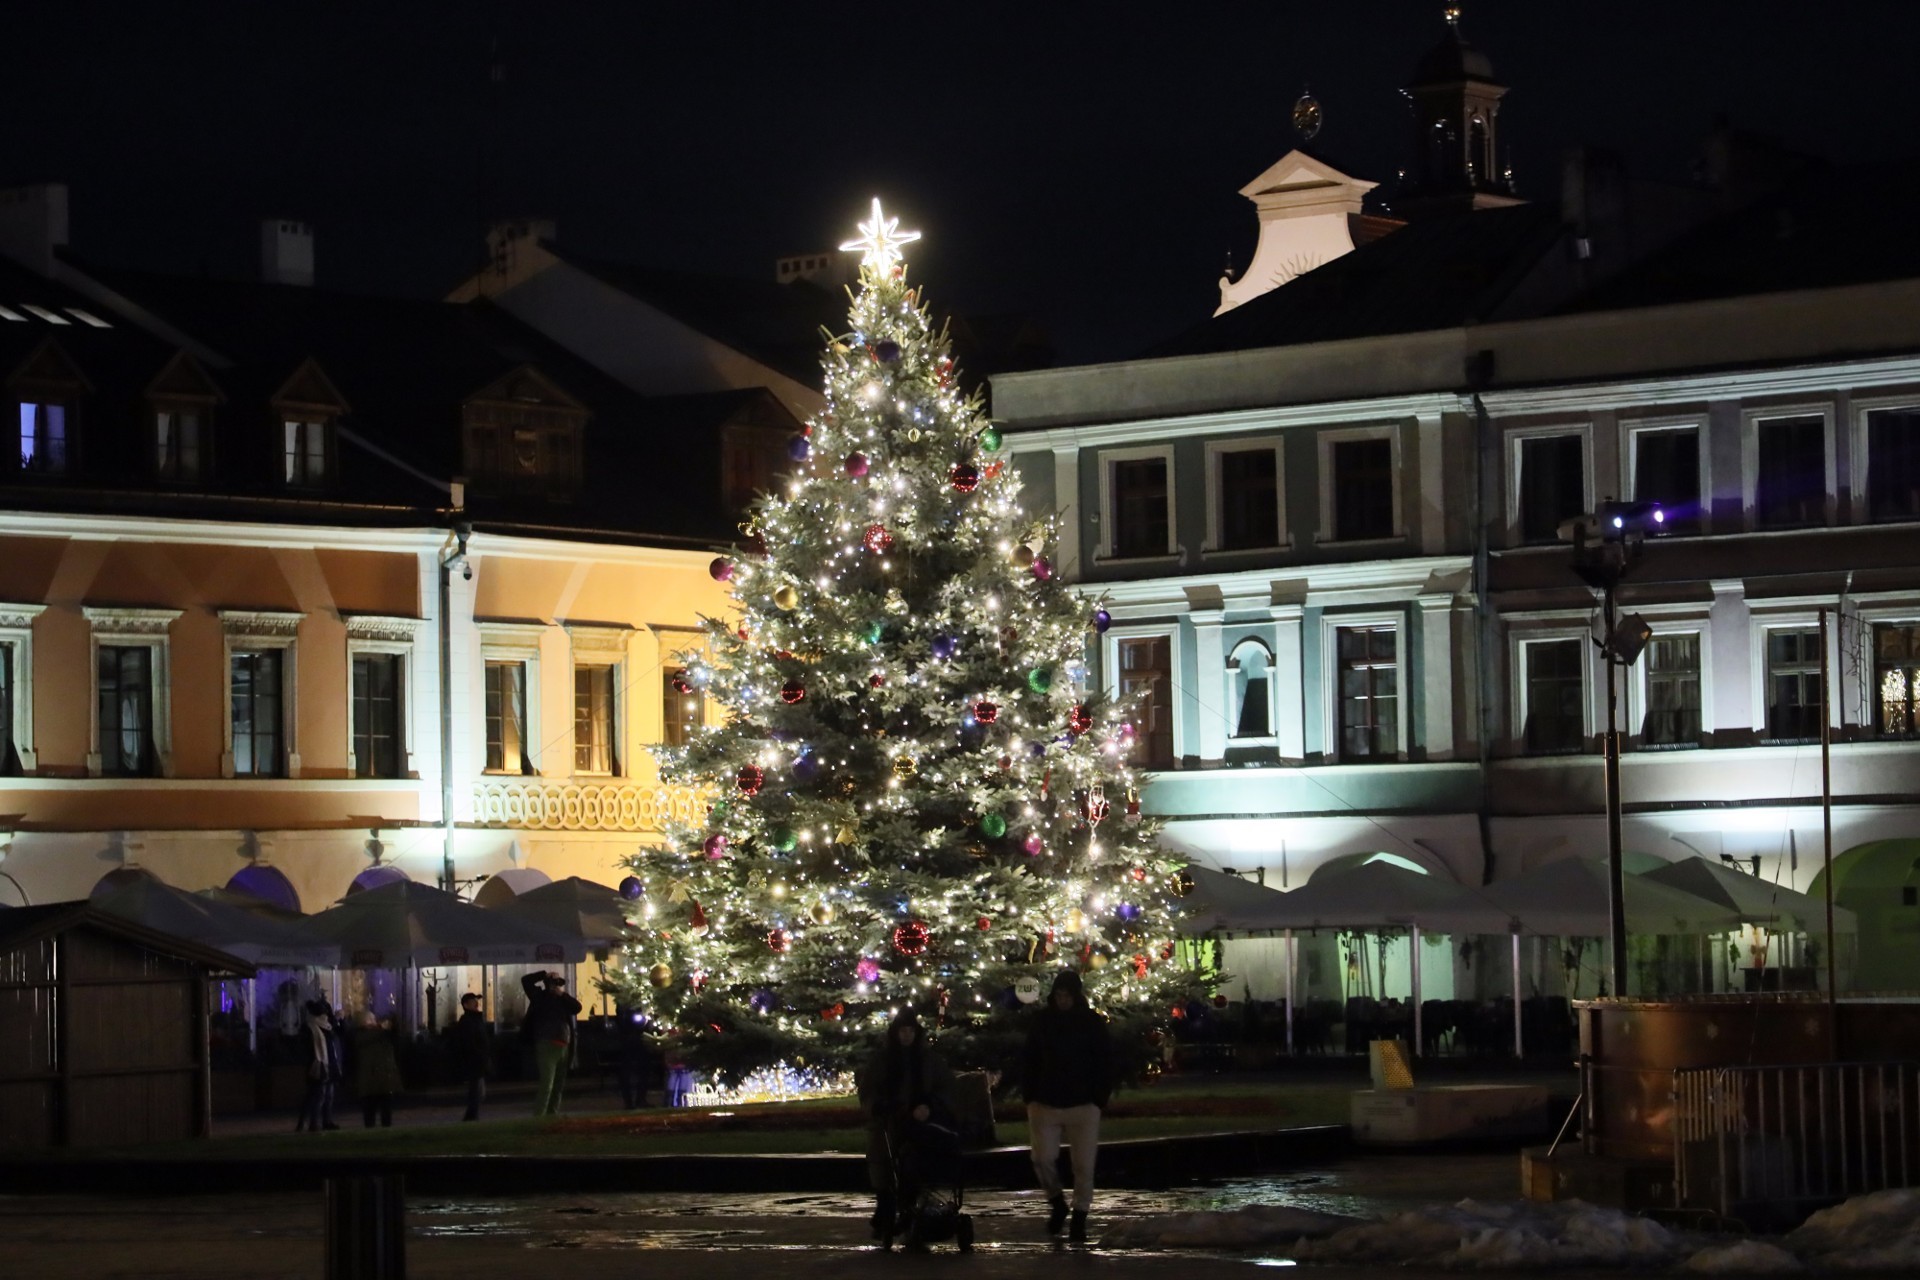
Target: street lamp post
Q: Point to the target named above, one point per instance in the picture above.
(1606, 546)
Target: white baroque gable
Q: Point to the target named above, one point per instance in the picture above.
(1304, 205)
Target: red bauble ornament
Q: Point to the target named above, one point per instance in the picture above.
(793, 691)
(877, 540)
(680, 682)
(1179, 1011)
(750, 779)
(1006, 762)
(742, 633)
(1140, 965)
(965, 477)
(1138, 875)
(985, 712)
(1079, 720)
(1166, 951)
(779, 941)
(833, 1012)
(857, 465)
(984, 923)
(721, 569)
(994, 469)
(911, 938)
(1219, 1002)
(875, 680)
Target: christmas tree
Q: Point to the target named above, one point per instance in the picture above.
(914, 801)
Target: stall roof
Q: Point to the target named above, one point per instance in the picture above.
(405, 923)
(259, 938)
(23, 926)
(1756, 901)
(578, 910)
(1568, 898)
(1377, 895)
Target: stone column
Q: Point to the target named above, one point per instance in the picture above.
(1290, 683)
(1436, 674)
(1210, 684)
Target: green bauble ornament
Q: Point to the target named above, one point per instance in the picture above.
(784, 839)
(874, 631)
(993, 826)
(990, 439)
(1040, 679)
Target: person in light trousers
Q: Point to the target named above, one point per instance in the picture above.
(1067, 1078)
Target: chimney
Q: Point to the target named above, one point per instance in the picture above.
(505, 239)
(286, 252)
(33, 223)
(828, 267)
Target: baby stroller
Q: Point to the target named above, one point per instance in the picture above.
(925, 1158)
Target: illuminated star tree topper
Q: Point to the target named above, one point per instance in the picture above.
(880, 241)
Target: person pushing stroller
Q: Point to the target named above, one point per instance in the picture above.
(906, 1091)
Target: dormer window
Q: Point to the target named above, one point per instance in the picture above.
(522, 439)
(43, 438)
(179, 443)
(307, 455)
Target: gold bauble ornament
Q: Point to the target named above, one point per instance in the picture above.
(660, 975)
(1096, 961)
(786, 598)
(905, 766)
(1076, 920)
(1023, 555)
(822, 913)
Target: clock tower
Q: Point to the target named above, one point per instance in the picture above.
(1455, 103)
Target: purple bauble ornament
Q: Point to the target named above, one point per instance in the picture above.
(1033, 844)
(1042, 569)
(867, 970)
(631, 888)
(945, 646)
(799, 448)
(716, 846)
(1102, 620)
(886, 351)
(721, 569)
(806, 769)
(857, 465)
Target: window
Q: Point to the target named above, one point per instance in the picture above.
(1139, 508)
(306, 456)
(43, 438)
(1672, 665)
(178, 444)
(1893, 464)
(9, 756)
(1553, 484)
(1146, 684)
(1363, 489)
(593, 720)
(681, 713)
(1247, 500)
(1252, 692)
(1896, 671)
(1369, 689)
(1666, 470)
(254, 693)
(1790, 475)
(1556, 695)
(1793, 684)
(377, 715)
(507, 718)
(124, 678)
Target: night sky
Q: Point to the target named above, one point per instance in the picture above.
(1077, 160)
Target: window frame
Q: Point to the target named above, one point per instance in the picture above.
(203, 411)
(16, 632)
(253, 631)
(1215, 453)
(1107, 458)
(1327, 522)
(69, 415)
(385, 635)
(1525, 632)
(608, 647)
(1516, 440)
(1862, 410)
(1872, 662)
(1873, 610)
(1681, 621)
(669, 695)
(324, 424)
(517, 642)
(1750, 423)
(133, 628)
(1763, 624)
(1331, 624)
(1110, 677)
(1631, 429)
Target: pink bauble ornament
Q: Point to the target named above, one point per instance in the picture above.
(867, 970)
(716, 846)
(721, 569)
(857, 465)
(1042, 568)
(1033, 844)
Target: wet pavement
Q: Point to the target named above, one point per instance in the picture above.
(607, 1237)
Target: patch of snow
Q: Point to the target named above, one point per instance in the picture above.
(1476, 1236)
(1250, 1227)
(1877, 1231)
(1747, 1258)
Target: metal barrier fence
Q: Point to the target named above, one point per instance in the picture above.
(1757, 1141)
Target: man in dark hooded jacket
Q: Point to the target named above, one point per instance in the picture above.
(1067, 1077)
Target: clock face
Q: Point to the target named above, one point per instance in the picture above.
(1307, 116)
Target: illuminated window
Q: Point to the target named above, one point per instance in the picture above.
(254, 692)
(1146, 683)
(1368, 672)
(306, 454)
(124, 680)
(1793, 684)
(593, 720)
(43, 438)
(378, 710)
(681, 713)
(1896, 670)
(178, 444)
(507, 718)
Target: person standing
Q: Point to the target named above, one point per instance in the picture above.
(903, 1083)
(470, 1041)
(551, 1014)
(320, 1048)
(1067, 1079)
(376, 1068)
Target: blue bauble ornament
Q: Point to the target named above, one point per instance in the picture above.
(799, 448)
(1102, 620)
(631, 888)
(806, 768)
(887, 351)
(945, 647)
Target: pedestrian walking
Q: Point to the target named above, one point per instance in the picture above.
(470, 1044)
(633, 1058)
(551, 1014)
(320, 1049)
(904, 1082)
(376, 1068)
(1067, 1078)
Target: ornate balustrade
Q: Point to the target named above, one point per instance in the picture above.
(544, 804)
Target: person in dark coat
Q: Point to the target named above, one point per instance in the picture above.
(1067, 1077)
(904, 1082)
(470, 1046)
(319, 1043)
(551, 1014)
(632, 1058)
(376, 1068)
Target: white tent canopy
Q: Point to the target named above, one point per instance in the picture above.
(1222, 903)
(1751, 899)
(402, 924)
(1376, 895)
(1569, 898)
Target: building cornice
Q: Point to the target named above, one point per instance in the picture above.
(1413, 575)
(1654, 390)
(1237, 421)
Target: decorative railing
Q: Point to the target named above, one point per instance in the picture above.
(540, 804)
